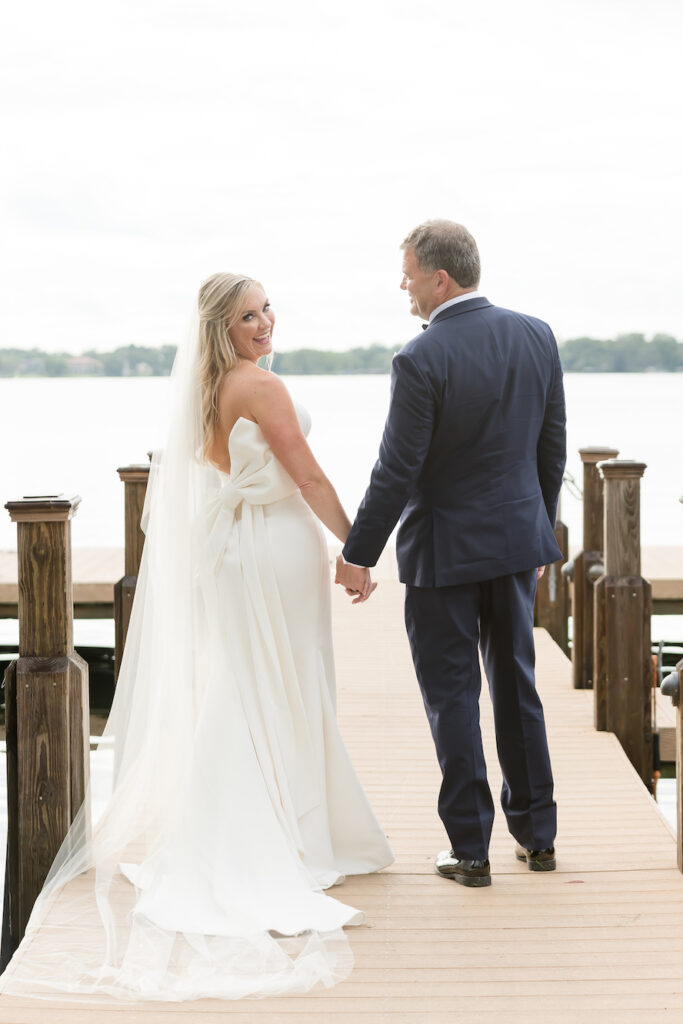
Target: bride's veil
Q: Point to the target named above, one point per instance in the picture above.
(84, 940)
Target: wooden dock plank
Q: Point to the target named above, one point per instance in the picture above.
(664, 567)
(601, 939)
(96, 570)
(666, 726)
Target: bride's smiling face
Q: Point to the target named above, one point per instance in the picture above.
(251, 335)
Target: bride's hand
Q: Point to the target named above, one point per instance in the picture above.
(355, 580)
(359, 598)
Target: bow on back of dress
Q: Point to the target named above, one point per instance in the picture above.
(256, 477)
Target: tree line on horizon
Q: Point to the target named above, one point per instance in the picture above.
(627, 353)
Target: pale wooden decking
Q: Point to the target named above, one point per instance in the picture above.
(96, 570)
(600, 940)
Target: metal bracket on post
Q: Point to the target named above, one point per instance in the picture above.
(671, 687)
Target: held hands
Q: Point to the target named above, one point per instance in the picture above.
(356, 581)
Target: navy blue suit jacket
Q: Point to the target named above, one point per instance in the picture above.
(473, 451)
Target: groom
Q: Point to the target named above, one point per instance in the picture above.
(471, 459)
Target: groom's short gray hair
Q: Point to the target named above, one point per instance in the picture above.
(445, 245)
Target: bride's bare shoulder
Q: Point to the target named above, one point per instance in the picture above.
(247, 381)
(251, 392)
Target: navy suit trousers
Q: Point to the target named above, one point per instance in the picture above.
(446, 626)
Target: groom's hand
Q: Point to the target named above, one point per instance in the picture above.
(355, 580)
(540, 571)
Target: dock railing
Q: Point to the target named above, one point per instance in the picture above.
(579, 571)
(134, 479)
(551, 610)
(46, 687)
(46, 709)
(622, 606)
(671, 687)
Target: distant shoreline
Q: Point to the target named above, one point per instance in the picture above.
(628, 353)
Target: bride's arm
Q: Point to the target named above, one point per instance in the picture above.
(270, 405)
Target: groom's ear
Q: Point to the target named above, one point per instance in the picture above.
(442, 279)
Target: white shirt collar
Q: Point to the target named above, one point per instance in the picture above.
(452, 302)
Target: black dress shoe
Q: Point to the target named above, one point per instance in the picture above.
(537, 860)
(465, 872)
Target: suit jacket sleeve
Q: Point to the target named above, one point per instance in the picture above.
(551, 452)
(403, 449)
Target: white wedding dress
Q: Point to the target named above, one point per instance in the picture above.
(234, 802)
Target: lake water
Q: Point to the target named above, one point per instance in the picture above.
(70, 435)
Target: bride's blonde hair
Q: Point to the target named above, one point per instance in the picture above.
(222, 298)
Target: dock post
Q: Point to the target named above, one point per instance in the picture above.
(622, 611)
(671, 687)
(591, 555)
(135, 486)
(47, 707)
(551, 608)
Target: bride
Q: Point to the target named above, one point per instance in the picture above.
(233, 803)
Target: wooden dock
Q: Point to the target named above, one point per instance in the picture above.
(96, 570)
(599, 940)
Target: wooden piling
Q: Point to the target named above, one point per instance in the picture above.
(622, 612)
(551, 609)
(671, 687)
(591, 555)
(47, 707)
(679, 767)
(135, 487)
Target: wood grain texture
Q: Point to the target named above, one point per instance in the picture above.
(622, 517)
(593, 495)
(79, 732)
(667, 743)
(679, 777)
(48, 764)
(43, 508)
(582, 643)
(45, 589)
(591, 555)
(628, 668)
(47, 708)
(622, 528)
(600, 666)
(625, 610)
(43, 778)
(551, 609)
(124, 592)
(12, 858)
(135, 479)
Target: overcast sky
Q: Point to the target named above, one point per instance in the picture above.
(151, 143)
